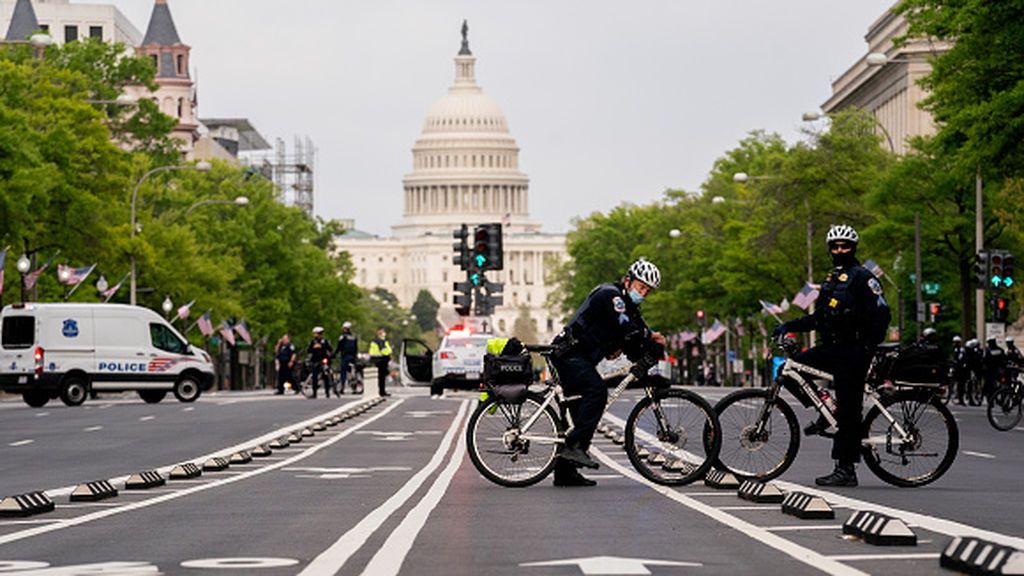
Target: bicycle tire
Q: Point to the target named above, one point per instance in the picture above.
(1004, 412)
(491, 430)
(686, 414)
(307, 387)
(928, 420)
(750, 458)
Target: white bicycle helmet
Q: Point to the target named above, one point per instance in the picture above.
(841, 232)
(645, 272)
(346, 325)
(318, 330)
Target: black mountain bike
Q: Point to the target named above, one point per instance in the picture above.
(1004, 411)
(910, 438)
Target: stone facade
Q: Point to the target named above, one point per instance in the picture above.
(77, 21)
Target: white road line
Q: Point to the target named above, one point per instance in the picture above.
(34, 521)
(869, 557)
(15, 536)
(331, 561)
(978, 454)
(41, 414)
(802, 527)
(389, 558)
(21, 442)
(763, 507)
(730, 493)
(90, 505)
(800, 553)
(92, 428)
(144, 418)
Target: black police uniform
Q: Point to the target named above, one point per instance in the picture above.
(348, 347)
(606, 323)
(994, 364)
(316, 356)
(285, 353)
(851, 317)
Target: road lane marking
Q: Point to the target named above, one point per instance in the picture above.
(741, 508)
(93, 428)
(41, 414)
(144, 418)
(34, 521)
(801, 527)
(310, 451)
(869, 557)
(331, 560)
(800, 553)
(21, 443)
(978, 454)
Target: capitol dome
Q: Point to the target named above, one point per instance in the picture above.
(465, 163)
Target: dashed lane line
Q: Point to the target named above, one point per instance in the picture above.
(311, 450)
(985, 455)
(870, 557)
(21, 443)
(145, 418)
(802, 527)
(92, 428)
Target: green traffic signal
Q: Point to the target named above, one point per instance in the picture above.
(480, 260)
(476, 278)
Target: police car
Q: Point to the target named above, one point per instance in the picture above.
(50, 351)
(458, 362)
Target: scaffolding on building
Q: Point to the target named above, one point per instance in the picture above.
(292, 174)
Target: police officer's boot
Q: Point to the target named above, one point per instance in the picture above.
(567, 475)
(843, 475)
(577, 457)
(817, 427)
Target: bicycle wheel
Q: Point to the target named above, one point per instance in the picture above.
(975, 393)
(504, 453)
(751, 451)
(679, 425)
(307, 386)
(1004, 412)
(933, 439)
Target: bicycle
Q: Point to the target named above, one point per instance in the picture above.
(329, 383)
(353, 377)
(672, 436)
(910, 437)
(1004, 411)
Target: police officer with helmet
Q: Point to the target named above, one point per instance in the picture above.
(319, 349)
(347, 349)
(851, 317)
(608, 323)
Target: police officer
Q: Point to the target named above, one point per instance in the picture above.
(284, 361)
(318, 349)
(608, 323)
(380, 356)
(995, 364)
(851, 317)
(348, 347)
(959, 368)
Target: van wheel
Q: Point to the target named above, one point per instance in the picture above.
(35, 398)
(74, 391)
(187, 389)
(152, 396)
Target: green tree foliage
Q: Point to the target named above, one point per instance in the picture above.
(425, 310)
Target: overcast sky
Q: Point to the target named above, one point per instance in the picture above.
(609, 101)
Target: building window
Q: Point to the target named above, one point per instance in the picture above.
(44, 27)
(444, 276)
(181, 106)
(70, 33)
(156, 64)
(394, 278)
(96, 32)
(501, 324)
(551, 325)
(181, 64)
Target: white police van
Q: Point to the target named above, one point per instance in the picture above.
(67, 350)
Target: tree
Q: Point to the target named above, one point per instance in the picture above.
(425, 309)
(525, 326)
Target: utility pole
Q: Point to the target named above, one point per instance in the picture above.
(979, 245)
(917, 275)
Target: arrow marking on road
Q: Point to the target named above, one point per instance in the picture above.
(612, 565)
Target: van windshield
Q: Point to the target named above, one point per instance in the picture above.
(165, 339)
(18, 332)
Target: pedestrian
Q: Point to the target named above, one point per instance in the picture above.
(605, 325)
(319, 349)
(347, 349)
(851, 317)
(284, 363)
(959, 368)
(380, 356)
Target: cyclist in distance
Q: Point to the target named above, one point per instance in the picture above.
(318, 349)
(348, 348)
(851, 317)
(607, 324)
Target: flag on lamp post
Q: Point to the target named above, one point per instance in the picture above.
(184, 310)
(205, 325)
(33, 276)
(75, 276)
(109, 292)
(874, 268)
(806, 296)
(771, 308)
(3, 260)
(226, 332)
(243, 331)
(714, 332)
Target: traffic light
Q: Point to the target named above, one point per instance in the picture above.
(461, 248)
(1000, 311)
(981, 269)
(1008, 270)
(995, 268)
(933, 311)
(700, 318)
(487, 252)
(463, 297)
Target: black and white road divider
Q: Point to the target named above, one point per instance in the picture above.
(241, 457)
(144, 480)
(278, 443)
(185, 471)
(977, 556)
(262, 451)
(93, 491)
(716, 478)
(25, 505)
(879, 529)
(215, 464)
(760, 492)
(307, 432)
(807, 507)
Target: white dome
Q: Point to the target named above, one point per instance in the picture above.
(465, 109)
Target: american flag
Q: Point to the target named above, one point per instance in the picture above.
(33, 276)
(806, 296)
(874, 268)
(771, 308)
(784, 305)
(161, 364)
(739, 327)
(109, 292)
(226, 333)
(205, 325)
(506, 219)
(183, 311)
(3, 259)
(75, 275)
(243, 331)
(714, 332)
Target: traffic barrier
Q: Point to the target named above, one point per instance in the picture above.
(185, 471)
(215, 464)
(807, 507)
(656, 459)
(144, 480)
(93, 491)
(328, 423)
(760, 492)
(643, 453)
(976, 556)
(677, 465)
(716, 478)
(879, 529)
(262, 451)
(294, 438)
(619, 440)
(318, 427)
(306, 432)
(27, 504)
(241, 457)
(278, 443)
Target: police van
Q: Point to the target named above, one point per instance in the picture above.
(64, 351)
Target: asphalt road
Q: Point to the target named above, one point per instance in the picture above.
(391, 491)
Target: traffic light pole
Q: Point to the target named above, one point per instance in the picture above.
(979, 245)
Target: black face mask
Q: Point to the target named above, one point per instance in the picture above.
(844, 259)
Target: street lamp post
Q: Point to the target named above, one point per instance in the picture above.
(24, 264)
(240, 201)
(200, 166)
(64, 274)
(167, 306)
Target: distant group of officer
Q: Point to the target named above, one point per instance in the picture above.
(319, 349)
(989, 364)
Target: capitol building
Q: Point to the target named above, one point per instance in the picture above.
(465, 170)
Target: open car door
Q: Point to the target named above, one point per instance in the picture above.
(417, 363)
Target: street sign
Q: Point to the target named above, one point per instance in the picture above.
(995, 330)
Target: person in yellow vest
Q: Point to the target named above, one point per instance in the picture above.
(380, 355)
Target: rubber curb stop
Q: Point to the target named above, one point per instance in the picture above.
(215, 464)
(185, 471)
(242, 457)
(93, 491)
(27, 504)
(976, 556)
(319, 427)
(278, 443)
(306, 432)
(721, 479)
(262, 451)
(294, 438)
(879, 529)
(760, 492)
(144, 480)
(619, 440)
(807, 507)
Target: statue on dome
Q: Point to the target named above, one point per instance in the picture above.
(465, 39)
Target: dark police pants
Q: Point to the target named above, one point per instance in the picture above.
(346, 361)
(848, 365)
(382, 374)
(579, 378)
